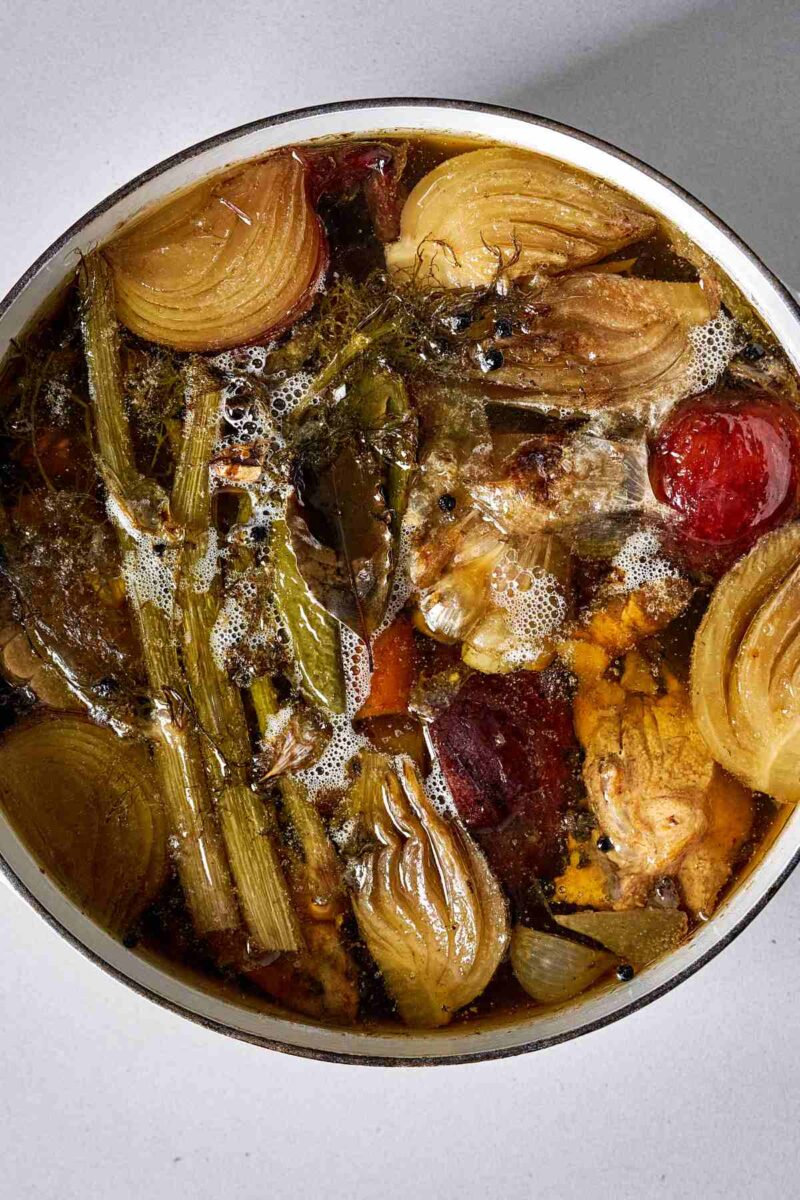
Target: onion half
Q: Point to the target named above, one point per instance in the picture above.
(506, 209)
(746, 668)
(228, 262)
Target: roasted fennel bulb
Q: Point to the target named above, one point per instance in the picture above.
(428, 908)
(596, 341)
(505, 211)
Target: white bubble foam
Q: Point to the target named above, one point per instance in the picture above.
(641, 562)
(204, 569)
(148, 570)
(713, 346)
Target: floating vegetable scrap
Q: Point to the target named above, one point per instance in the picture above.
(360, 509)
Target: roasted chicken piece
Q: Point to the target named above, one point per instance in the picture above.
(657, 793)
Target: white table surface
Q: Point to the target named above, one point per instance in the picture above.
(103, 1095)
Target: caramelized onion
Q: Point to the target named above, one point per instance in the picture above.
(746, 668)
(505, 209)
(228, 262)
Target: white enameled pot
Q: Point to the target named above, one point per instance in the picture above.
(766, 294)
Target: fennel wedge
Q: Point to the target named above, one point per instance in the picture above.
(427, 905)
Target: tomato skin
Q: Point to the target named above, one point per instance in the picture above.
(728, 465)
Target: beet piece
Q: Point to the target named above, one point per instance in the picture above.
(507, 748)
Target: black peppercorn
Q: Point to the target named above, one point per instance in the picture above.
(130, 940)
(460, 322)
(503, 327)
(159, 549)
(447, 502)
(106, 686)
(625, 972)
(753, 351)
(258, 533)
(605, 844)
(492, 359)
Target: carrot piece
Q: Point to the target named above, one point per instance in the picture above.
(394, 656)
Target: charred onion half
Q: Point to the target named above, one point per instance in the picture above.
(225, 263)
(505, 210)
(746, 668)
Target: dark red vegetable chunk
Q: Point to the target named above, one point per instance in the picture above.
(507, 747)
(729, 466)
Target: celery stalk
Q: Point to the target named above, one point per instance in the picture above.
(244, 816)
(200, 854)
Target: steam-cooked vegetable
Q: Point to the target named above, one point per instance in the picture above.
(431, 913)
(394, 655)
(232, 260)
(322, 979)
(505, 210)
(553, 969)
(137, 507)
(244, 816)
(597, 340)
(22, 663)
(504, 599)
(708, 864)
(637, 935)
(746, 668)
(87, 804)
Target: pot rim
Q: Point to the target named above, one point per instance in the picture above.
(129, 188)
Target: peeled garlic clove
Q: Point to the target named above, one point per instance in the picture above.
(553, 969)
(504, 209)
(637, 935)
(228, 262)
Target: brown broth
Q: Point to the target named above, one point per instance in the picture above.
(44, 387)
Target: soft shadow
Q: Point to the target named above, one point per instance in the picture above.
(713, 100)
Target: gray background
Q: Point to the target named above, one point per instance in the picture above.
(103, 1095)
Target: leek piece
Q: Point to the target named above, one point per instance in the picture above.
(244, 816)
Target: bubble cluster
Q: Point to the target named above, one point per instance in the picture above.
(148, 570)
(330, 771)
(204, 569)
(233, 627)
(535, 609)
(713, 346)
(640, 561)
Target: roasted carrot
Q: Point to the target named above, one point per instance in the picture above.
(394, 656)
